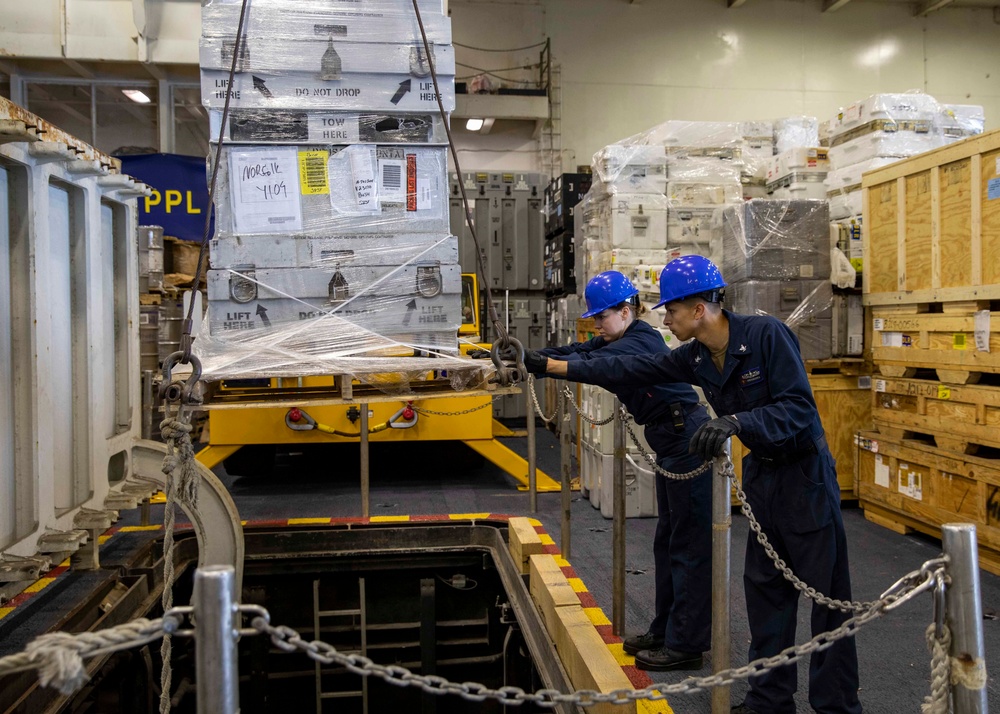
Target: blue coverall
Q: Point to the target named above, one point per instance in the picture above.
(682, 545)
(791, 484)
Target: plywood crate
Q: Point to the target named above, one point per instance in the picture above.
(844, 404)
(932, 224)
(959, 418)
(909, 486)
(585, 329)
(960, 339)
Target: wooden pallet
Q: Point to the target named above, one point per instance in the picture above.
(908, 485)
(932, 230)
(939, 336)
(847, 366)
(964, 419)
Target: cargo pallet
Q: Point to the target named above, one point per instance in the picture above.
(907, 485)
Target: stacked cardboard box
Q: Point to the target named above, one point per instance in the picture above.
(332, 237)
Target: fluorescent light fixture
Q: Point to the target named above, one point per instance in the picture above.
(137, 96)
(474, 124)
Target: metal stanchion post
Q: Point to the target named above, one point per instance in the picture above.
(618, 528)
(565, 455)
(365, 503)
(964, 608)
(147, 404)
(722, 521)
(215, 640)
(532, 447)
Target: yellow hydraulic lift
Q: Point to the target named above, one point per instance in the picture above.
(437, 417)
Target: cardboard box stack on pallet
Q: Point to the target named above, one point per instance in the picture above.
(932, 281)
(332, 217)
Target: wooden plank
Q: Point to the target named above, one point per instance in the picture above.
(588, 661)
(881, 226)
(981, 144)
(902, 279)
(866, 252)
(976, 219)
(959, 414)
(933, 340)
(523, 541)
(918, 238)
(550, 590)
(990, 218)
(955, 219)
(905, 297)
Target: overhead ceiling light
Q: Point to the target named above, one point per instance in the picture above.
(136, 95)
(474, 124)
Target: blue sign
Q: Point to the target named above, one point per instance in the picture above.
(993, 189)
(180, 193)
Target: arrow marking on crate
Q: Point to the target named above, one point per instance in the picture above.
(259, 85)
(410, 309)
(404, 87)
(262, 314)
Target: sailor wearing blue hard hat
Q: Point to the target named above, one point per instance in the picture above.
(670, 414)
(752, 373)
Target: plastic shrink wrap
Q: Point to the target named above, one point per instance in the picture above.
(806, 306)
(772, 240)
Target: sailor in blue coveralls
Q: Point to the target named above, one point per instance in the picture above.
(752, 373)
(670, 414)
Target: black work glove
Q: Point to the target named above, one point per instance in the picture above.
(535, 362)
(479, 354)
(710, 439)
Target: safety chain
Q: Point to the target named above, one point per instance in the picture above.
(807, 590)
(59, 656)
(429, 412)
(705, 466)
(590, 420)
(538, 407)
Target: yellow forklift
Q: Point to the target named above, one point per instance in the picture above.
(245, 438)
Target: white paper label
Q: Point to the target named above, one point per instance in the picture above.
(365, 185)
(392, 180)
(264, 187)
(998, 166)
(852, 113)
(353, 182)
(982, 327)
(910, 483)
(334, 129)
(425, 194)
(878, 323)
(892, 339)
(879, 385)
(881, 472)
(805, 271)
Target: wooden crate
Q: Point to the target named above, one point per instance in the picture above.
(958, 418)
(585, 329)
(909, 486)
(939, 336)
(844, 405)
(932, 224)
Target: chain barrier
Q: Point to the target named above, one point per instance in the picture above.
(651, 460)
(810, 592)
(431, 412)
(59, 656)
(579, 410)
(537, 405)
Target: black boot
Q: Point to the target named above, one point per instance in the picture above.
(648, 641)
(666, 659)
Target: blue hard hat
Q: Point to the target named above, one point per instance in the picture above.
(606, 290)
(686, 276)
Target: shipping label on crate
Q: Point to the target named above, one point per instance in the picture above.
(896, 339)
(993, 189)
(881, 472)
(982, 330)
(265, 190)
(879, 385)
(910, 482)
(878, 324)
(943, 392)
(866, 444)
(958, 341)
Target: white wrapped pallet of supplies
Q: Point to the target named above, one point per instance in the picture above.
(687, 135)
(703, 169)
(898, 108)
(803, 159)
(700, 224)
(793, 132)
(323, 58)
(806, 306)
(884, 139)
(630, 168)
(637, 221)
(372, 249)
(335, 189)
(960, 121)
(309, 91)
(848, 178)
(328, 319)
(759, 138)
(826, 131)
(288, 126)
(363, 21)
(773, 240)
(846, 205)
(798, 186)
(684, 194)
